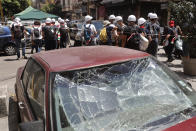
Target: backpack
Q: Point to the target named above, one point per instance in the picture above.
(49, 33)
(103, 35)
(87, 32)
(36, 32)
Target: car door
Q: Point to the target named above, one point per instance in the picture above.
(31, 95)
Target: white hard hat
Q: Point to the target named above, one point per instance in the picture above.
(88, 18)
(59, 19)
(48, 20)
(132, 18)
(53, 20)
(153, 16)
(112, 17)
(149, 14)
(118, 18)
(112, 25)
(141, 21)
(17, 19)
(67, 20)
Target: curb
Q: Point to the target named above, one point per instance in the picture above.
(3, 101)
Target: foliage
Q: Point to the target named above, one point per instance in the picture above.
(184, 14)
(11, 7)
(53, 8)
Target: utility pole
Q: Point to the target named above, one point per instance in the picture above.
(1, 9)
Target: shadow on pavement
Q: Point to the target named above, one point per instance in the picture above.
(10, 59)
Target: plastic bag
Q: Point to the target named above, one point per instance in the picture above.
(143, 43)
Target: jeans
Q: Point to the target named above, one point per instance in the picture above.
(18, 43)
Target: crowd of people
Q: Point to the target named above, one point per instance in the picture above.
(141, 34)
(52, 34)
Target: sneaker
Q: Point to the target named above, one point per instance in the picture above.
(17, 58)
(25, 57)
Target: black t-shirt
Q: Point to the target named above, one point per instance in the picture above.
(172, 32)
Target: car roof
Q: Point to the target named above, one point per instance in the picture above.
(86, 56)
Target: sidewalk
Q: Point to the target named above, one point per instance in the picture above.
(177, 67)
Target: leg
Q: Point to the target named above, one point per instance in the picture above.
(23, 49)
(17, 48)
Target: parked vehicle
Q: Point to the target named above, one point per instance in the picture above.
(102, 88)
(6, 44)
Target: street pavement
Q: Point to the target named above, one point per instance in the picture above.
(9, 66)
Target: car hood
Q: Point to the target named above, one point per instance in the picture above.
(188, 125)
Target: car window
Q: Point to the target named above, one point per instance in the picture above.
(122, 96)
(34, 82)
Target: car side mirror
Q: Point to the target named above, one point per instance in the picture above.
(32, 126)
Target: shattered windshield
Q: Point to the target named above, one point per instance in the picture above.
(124, 96)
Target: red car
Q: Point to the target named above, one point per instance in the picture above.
(102, 88)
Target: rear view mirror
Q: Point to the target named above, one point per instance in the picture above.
(32, 126)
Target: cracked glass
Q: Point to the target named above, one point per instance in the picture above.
(124, 96)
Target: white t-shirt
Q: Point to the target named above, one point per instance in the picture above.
(93, 29)
(40, 31)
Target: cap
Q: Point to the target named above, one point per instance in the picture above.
(171, 23)
(106, 22)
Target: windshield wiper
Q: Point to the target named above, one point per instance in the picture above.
(173, 118)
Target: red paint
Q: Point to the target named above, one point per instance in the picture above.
(188, 125)
(85, 57)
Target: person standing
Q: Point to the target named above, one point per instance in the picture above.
(143, 32)
(120, 28)
(17, 34)
(63, 30)
(112, 19)
(169, 41)
(112, 31)
(154, 30)
(49, 35)
(36, 36)
(103, 38)
(89, 31)
(131, 34)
